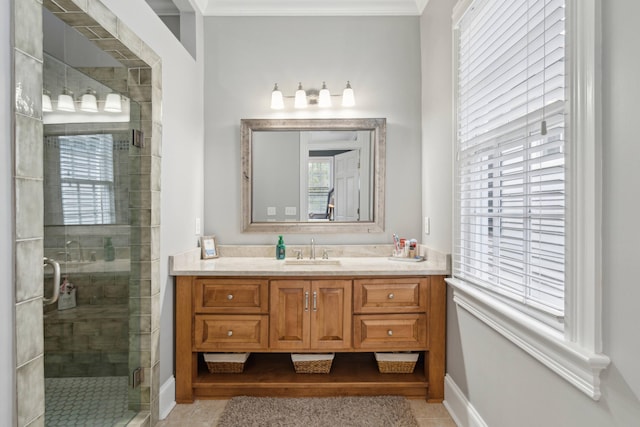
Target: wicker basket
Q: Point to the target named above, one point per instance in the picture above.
(312, 363)
(396, 363)
(226, 363)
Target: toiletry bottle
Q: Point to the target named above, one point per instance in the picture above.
(109, 250)
(280, 248)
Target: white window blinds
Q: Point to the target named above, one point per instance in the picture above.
(510, 162)
(86, 179)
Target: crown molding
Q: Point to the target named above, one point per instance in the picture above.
(311, 7)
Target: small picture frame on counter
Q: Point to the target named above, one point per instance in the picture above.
(208, 245)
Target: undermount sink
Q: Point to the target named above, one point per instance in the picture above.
(319, 261)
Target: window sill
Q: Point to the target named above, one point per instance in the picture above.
(575, 364)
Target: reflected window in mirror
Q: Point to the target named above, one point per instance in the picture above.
(86, 179)
(320, 187)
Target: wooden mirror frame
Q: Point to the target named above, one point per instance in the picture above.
(378, 128)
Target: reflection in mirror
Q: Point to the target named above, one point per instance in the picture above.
(86, 155)
(313, 175)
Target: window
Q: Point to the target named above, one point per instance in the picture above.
(511, 135)
(320, 183)
(87, 179)
(521, 201)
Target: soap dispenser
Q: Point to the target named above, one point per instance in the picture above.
(109, 250)
(280, 248)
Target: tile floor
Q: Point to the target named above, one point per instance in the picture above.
(87, 401)
(205, 413)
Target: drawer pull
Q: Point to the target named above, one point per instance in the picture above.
(315, 301)
(230, 297)
(390, 332)
(229, 333)
(306, 301)
(391, 296)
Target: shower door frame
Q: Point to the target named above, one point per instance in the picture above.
(93, 19)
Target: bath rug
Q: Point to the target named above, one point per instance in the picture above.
(374, 411)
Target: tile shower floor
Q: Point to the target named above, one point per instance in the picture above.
(87, 401)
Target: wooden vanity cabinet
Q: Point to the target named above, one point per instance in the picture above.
(272, 317)
(310, 315)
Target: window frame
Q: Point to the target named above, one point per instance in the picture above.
(574, 353)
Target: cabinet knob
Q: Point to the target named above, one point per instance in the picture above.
(229, 333)
(230, 297)
(390, 332)
(391, 296)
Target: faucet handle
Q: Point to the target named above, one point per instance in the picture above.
(298, 253)
(325, 254)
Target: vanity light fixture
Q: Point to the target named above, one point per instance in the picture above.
(324, 97)
(88, 102)
(66, 102)
(46, 102)
(277, 102)
(113, 103)
(301, 97)
(348, 98)
(304, 98)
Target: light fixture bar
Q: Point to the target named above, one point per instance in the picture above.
(303, 98)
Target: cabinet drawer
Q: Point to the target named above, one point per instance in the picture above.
(231, 296)
(390, 295)
(231, 332)
(391, 331)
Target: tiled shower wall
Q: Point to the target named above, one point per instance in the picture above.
(100, 25)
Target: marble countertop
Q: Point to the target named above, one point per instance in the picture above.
(372, 262)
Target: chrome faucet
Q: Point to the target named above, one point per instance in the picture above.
(80, 255)
(312, 255)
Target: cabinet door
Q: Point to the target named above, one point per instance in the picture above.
(289, 322)
(330, 314)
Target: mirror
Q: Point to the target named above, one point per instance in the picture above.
(313, 175)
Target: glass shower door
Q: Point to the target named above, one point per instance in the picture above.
(88, 362)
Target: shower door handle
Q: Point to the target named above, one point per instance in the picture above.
(56, 281)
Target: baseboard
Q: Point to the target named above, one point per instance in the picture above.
(167, 397)
(461, 410)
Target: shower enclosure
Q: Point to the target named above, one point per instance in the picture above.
(90, 353)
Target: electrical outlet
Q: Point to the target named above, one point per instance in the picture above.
(197, 226)
(290, 210)
(427, 225)
(271, 210)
